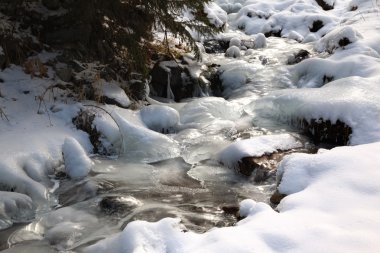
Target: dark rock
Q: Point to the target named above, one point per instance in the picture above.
(137, 90)
(234, 210)
(51, 4)
(344, 42)
(317, 25)
(277, 197)
(327, 79)
(181, 83)
(216, 46)
(118, 205)
(325, 6)
(273, 33)
(215, 83)
(323, 131)
(298, 57)
(354, 8)
(111, 101)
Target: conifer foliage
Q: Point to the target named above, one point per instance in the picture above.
(109, 30)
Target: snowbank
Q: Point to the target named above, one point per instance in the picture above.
(15, 208)
(332, 207)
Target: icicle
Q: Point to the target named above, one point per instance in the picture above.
(169, 92)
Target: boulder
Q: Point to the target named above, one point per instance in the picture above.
(172, 80)
(325, 6)
(298, 57)
(324, 131)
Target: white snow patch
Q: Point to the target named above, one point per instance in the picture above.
(77, 163)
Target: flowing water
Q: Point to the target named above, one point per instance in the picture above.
(193, 187)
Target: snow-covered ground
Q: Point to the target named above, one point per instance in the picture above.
(332, 201)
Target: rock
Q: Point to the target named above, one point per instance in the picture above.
(51, 4)
(323, 131)
(172, 80)
(216, 46)
(325, 6)
(317, 25)
(118, 204)
(298, 57)
(212, 75)
(273, 33)
(277, 197)
(137, 90)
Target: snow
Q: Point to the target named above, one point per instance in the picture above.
(256, 147)
(215, 14)
(331, 207)
(160, 118)
(113, 91)
(332, 196)
(233, 52)
(77, 163)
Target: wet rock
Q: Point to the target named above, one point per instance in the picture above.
(325, 6)
(324, 131)
(172, 80)
(273, 33)
(118, 204)
(215, 83)
(137, 90)
(317, 25)
(260, 168)
(216, 46)
(277, 197)
(298, 57)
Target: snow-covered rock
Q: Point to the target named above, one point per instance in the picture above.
(256, 147)
(77, 163)
(112, 93)
(233, 51)
(215, 14)
(160, 118)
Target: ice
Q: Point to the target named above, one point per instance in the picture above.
(15, 208)
(256, 147)
(160, 118)
(235, 42)
(77, 163)
(140, 143)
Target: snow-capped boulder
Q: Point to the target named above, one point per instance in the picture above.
(160, 118)
(77, 163)
(233, 52)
